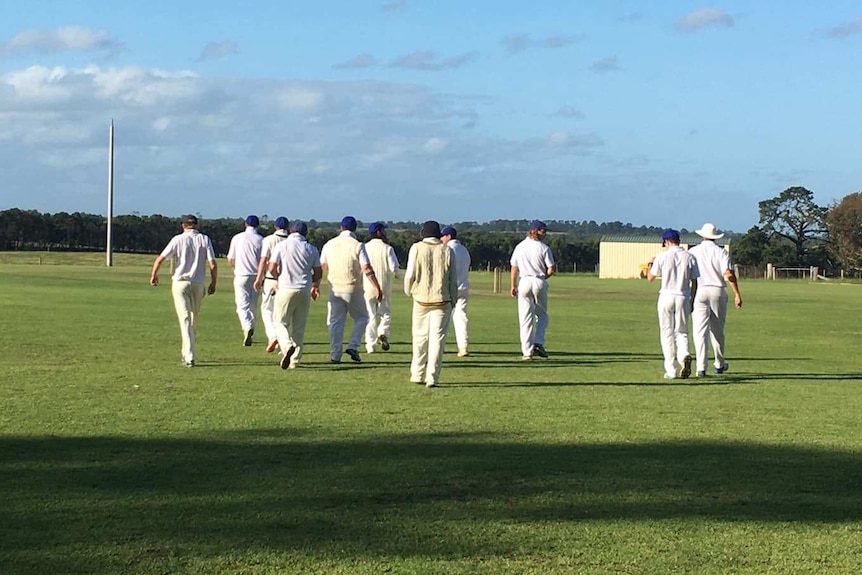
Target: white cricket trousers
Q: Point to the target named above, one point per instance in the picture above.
(673, 313)
(379, 320)
(267, 305)
(246, 300)
(707, 323)
(460, 321)
(337, 309)
(187, 301)
(430, 324)
(532, 312)
(290, 314)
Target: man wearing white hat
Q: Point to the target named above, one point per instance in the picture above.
(710, 303)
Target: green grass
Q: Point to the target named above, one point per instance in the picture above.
(114, 459)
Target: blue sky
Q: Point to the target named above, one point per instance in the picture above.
(666, 114)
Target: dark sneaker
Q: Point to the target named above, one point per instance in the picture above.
(334, 361)
(539, 349)
(354, 355)
(722, 369)
(247, 335)
(701, 374)
(189, 363)
(685, 373)
(384, 342)
(285, 359)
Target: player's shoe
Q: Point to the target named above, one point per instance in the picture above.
(722, 369)
(384, 342)
(247, 335)
(285, 359)
(463, 352)
(701, 374)
(539, 349)
(272, 345)
(354, 355)
(685, 373)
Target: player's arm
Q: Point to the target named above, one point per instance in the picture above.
(316, 276)
(372, 277)
(734, 285)
(154, 274)
(213, 276)
(513, 284)
(261, 272)
(650, 274)
(551, 270)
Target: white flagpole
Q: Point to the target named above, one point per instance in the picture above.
(109, 242)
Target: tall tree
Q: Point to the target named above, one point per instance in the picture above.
(794, 216)
(844, 224)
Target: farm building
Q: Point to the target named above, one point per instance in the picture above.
(626, 257)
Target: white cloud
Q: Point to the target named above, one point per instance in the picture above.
(430, 61)
(65, 38)
(434, 145)
(703, 18)
(569, 112)
(853, 28)
(393, 6)
(296, 99)
(360, 62)
(218, 50)
(609, 64)
(516, 43)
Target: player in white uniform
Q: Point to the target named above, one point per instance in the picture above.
(384, 262)
(244, 256)
(532, 264)
(296, 266)
(191, 251)
(678, 271)
(710, 302)
(345, 260)
(449, 236)
(266, 284)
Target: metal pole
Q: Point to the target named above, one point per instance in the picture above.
(109, 240)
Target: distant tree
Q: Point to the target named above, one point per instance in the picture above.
(794, 216)
(748, 251)
(844, 226)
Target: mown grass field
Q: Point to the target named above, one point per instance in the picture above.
(114, 459)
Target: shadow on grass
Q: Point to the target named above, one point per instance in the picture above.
(119, 505)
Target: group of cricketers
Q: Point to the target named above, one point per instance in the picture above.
(282, 273)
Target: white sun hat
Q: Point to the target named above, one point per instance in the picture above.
(709, 231)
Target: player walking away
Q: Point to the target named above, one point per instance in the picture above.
(191, 251)
(532, 262)
(678, 271)
(710, 302)
(295, 264)
(449, 236)
(430, 281)
(345, 260)
(384, 262)
(266, 284)
(244, 257)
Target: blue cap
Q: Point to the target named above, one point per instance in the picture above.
(538, 225)
(299, 227)
(281, 223)
(252, 221)
(670, 235)
(449, 231)
(349, 223)
(376, 227)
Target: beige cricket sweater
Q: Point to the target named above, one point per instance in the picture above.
(430, 276)
(344, 272)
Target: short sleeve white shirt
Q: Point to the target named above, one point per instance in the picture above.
(245, 248)
(191, 250)
(296, 259)
(533, 258)
(677, 268)
(712, 261)
(462, 264)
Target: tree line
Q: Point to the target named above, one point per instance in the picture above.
(793, 231)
